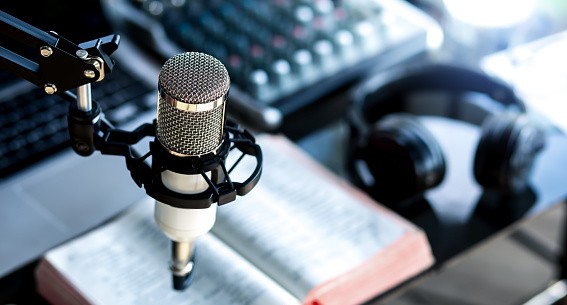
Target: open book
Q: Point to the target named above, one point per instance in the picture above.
(302, 236)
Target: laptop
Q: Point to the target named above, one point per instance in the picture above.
(49, 194)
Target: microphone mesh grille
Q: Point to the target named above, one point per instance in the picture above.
(194, 78)
(191, 78)
(189, 133)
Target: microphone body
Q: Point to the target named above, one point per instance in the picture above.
(192, 92)
(181, 224)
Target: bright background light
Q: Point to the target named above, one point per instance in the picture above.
(490, 13)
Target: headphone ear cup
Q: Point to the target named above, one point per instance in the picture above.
(398, 159)
(506, 150)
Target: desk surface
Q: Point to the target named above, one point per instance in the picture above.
(510, 267)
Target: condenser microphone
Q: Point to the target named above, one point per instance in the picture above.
(193, 88)
(192, 93)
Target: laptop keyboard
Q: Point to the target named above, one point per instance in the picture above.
(33, 125)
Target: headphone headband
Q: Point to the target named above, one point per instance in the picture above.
(386, 93)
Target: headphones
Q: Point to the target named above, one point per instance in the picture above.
(393, 157)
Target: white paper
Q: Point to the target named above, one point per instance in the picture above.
(299, 228)
(126, 262)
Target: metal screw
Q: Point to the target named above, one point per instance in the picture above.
(45, 51)
(82, 53)
(50, 88)
(89, 73)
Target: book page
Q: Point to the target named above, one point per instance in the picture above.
(126, 262)
(301, 225)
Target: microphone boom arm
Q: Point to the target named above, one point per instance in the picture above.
(57, 65)
(52, 62)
